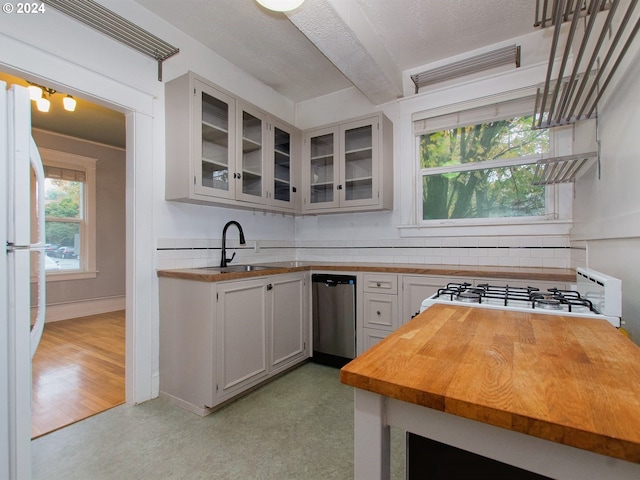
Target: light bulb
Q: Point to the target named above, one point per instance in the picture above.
(69, 103)
(43, 104)
(35, 92)
(280, 5)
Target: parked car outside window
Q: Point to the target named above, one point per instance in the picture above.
(50, 249)
(66, 252)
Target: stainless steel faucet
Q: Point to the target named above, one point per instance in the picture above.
(225, 260)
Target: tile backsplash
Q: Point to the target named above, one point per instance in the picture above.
(529, 251)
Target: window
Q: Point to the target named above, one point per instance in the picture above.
(479, 164)
(69, 215)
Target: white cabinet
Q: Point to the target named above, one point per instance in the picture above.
(218, 340)
(187, 360)
(249, 177)
(380, 308)
(349, 166)
(241, 336)
(288, 320)
(221, 149)
(283, 165)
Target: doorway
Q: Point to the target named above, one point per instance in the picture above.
(79, 368)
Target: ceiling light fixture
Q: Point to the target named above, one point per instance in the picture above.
(280, 5)
(43, 105)
(69, 103)
(41, 95)
(35, 92)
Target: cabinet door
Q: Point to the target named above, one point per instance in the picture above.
(215, 150)
(359, 163)
(282, 187)
(288, 320)
(241, 335)
(321, 169)
(250, 185)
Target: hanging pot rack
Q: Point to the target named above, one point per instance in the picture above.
(561, 169)
(567, 97)
(119, 28)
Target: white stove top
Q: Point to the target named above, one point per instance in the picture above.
(597, 296)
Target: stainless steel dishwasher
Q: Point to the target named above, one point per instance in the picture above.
(334, 319)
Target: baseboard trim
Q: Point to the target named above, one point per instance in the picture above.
(83, 308)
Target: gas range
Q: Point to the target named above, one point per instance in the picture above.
(596, 295)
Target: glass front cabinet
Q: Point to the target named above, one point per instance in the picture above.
(223, 150)
(349, 167)
(215, 118)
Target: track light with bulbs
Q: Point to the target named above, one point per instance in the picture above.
(41, 95)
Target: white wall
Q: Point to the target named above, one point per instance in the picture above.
(607, 209)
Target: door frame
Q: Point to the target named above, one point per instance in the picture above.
(21, 59)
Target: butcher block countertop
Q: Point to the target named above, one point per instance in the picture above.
(521, 273)
(569, 380)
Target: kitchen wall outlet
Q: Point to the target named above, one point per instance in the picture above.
(256, 247)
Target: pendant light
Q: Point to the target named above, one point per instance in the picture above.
(43, 104)
(35, 92)
(280, 5)
(69, 103)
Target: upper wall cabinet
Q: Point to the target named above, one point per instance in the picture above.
(222, 150)
(349, 166)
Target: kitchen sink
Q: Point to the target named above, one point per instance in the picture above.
(239, 268)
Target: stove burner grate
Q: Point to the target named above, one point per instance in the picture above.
(552, 299)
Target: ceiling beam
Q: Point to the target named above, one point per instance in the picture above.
(341, 31)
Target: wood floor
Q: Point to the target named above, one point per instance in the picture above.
(78, 370)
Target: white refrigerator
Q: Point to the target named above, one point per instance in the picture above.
(21, 320)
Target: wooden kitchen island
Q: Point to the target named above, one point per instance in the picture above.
(555, 395)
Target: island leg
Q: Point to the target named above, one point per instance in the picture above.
(372, 437)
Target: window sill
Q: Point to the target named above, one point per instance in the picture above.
(451, 228)
(71, 275)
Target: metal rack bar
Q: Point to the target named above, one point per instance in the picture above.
(495, 58)
(119, 28)
(560, 169)
(561, 97)
(545, 17)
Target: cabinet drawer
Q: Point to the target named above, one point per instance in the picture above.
(381, 283)
(371, 337)
(380, 311)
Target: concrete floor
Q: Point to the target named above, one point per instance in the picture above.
(299, 426)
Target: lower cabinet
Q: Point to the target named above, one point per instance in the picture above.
(240, 336)
(218, 340)
(380, 308)
(289, 322)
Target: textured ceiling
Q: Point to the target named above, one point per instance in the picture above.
(367, 39)
(418, 32)
(414, 32)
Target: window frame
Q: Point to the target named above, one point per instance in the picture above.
(87, 254)
(552, 192)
